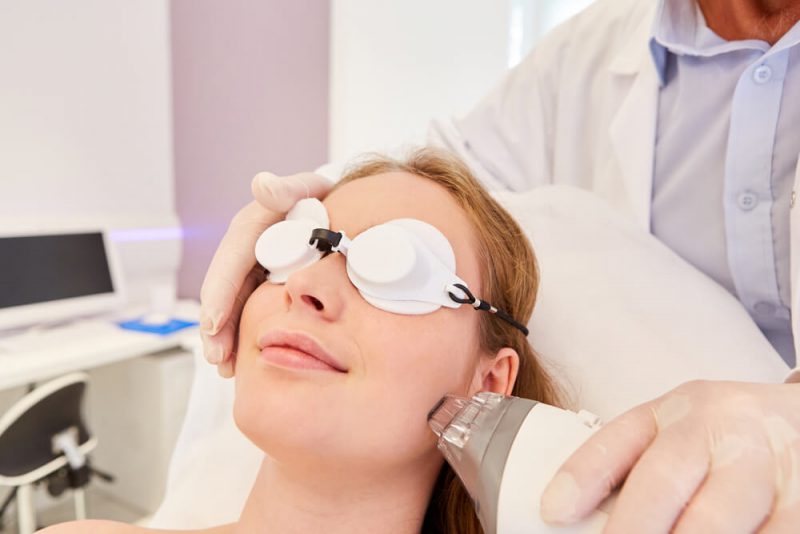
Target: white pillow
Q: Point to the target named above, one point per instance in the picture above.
(620, 319)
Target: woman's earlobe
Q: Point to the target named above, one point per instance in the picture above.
(500, 372)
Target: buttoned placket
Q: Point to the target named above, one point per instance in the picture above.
(748, 183)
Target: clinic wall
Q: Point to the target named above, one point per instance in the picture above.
(85, 118)
(250, 93)
(396, 65)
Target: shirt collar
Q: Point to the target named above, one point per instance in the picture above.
(680, 28)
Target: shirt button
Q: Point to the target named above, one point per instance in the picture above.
(766, 309)
(762, 74)
(747, 200)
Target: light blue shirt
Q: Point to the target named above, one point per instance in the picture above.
(727, 145)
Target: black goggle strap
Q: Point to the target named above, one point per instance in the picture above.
(325, 241)
(485, 306)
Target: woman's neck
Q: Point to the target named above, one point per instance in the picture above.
(765, 20)
(288, 500)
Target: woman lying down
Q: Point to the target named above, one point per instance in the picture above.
(340, 357)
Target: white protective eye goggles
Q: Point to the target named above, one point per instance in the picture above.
(403, 266)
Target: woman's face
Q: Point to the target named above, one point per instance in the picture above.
(394, 367)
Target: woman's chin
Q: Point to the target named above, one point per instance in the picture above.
(279, 442)
(283, 422)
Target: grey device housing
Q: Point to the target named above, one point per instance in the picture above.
(475, 436)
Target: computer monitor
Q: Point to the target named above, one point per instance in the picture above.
(50, 276)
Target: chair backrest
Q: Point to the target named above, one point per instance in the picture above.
(28, 427)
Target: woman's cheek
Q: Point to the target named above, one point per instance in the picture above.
(247, 412)
(403, 345)
(260, 303)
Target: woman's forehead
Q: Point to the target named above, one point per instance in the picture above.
(366, 202)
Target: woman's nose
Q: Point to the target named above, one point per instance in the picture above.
(319, 289)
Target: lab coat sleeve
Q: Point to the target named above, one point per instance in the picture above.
(507, 138)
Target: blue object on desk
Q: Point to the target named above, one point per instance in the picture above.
(163, 329)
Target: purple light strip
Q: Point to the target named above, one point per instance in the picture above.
(146, 234)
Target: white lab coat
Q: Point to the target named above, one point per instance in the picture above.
(581, 110)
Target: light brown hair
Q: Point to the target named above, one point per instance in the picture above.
(510, 280)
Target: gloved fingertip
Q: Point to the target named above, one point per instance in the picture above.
(269, 184)
(226, 368)
(213, 351)
(559, 500)
(210, 321)
(274, 192)
(206, 325)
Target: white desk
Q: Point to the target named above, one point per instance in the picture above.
(24, 367)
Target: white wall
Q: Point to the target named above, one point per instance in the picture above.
(395, 65)
(530, 20)
(85, 114)
(86, 126)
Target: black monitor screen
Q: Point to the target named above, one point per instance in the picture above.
(44, 268)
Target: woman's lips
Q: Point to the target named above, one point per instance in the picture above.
(296, 350)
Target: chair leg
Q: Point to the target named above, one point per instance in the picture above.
(26, 515)
(79, 494)
(6, 503)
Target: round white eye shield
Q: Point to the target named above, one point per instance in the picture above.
(403, 266)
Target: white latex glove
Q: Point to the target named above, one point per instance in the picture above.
(234, 273)
(706, 457)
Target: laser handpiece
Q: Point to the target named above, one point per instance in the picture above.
(505, 450)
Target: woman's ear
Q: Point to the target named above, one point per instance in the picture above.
(497, 374)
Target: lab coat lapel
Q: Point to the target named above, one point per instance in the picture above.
(633, 128)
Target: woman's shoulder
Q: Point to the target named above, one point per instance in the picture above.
(100, 526)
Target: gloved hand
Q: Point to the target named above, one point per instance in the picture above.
(706, 457)
(233, 273)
